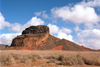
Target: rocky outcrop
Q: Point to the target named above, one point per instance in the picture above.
(36, 30)
(38, 37)
(31, 36)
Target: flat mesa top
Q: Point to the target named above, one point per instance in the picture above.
(36, 29)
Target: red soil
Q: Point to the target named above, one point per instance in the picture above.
(58, 48)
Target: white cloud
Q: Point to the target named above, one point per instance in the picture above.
(53, 28)
(77, 14)
(16, 27)
(89, 38)
(65, 30)
(19, 28)
(34, 21)
(62, 35)
(44, 15)
(3, 23)
(77, 29)
(91, 3)
(7, 38)
(95, 33)
(37, 13)
(90, 43)
(89, 26)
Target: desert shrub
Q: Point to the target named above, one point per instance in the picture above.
(50, 57)
(78, 60)
(51, 61)
(33, 56)
(6, 59)
(27, 58)
(24, 59)
(17, 56)
(70, 60)
(12, 59)
(91, 61)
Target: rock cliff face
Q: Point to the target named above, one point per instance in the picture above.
(38, 37)
(31, 36)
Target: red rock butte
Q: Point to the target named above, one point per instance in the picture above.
(38, 37)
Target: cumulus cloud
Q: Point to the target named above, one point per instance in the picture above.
(77, 14)
(42, 13)
(37, 13)
(95, 33)
(77, 29)
(16, 27)
(53, 28)
(91, 3)
(7, 38)
(90, 43)
(19, 28)
(3, 23)
(89, 38)
(63, 35)
(81, 13)
(34, 21)
(65, 30)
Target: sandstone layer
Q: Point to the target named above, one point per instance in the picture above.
(31, 36)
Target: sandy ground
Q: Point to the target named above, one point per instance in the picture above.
(54, 52)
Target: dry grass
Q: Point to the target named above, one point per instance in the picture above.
(65, 59)
(71, 60)
(48, 60)
(91, 61)
(6, 59)
(13, 59)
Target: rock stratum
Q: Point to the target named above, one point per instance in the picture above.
(38, 38)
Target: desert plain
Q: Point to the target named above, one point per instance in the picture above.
(49, 58)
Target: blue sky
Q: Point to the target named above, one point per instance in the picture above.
(75, 20)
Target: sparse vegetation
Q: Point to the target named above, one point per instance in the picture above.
(6, 59)
(70, 60)
(91, 61)
(12, 59)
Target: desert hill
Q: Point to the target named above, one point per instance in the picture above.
(38, 37)
(2, 46)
